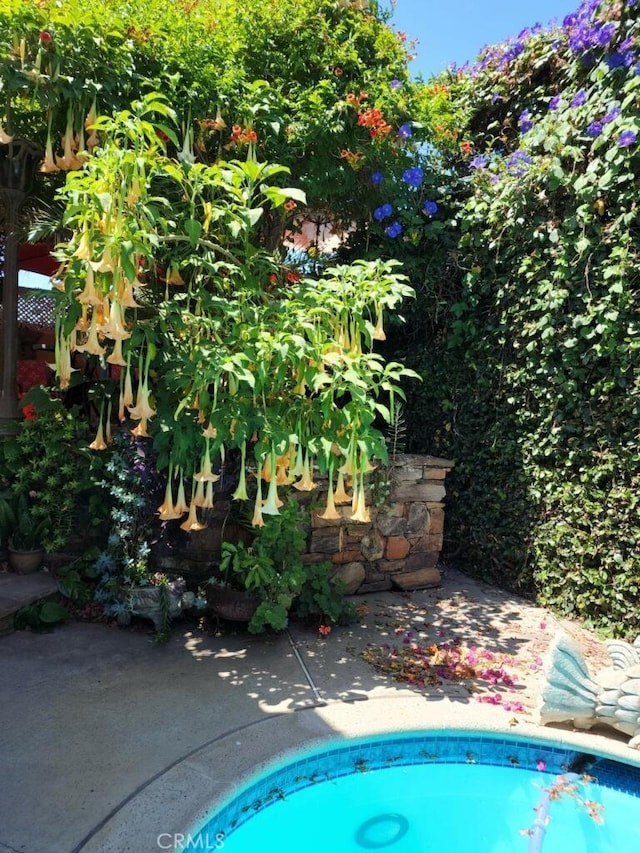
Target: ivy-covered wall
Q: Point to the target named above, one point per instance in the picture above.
(528, 333)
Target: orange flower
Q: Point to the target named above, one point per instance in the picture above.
(290, 205)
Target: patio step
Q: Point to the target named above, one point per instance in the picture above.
(18, 591)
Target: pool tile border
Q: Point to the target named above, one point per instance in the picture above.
(342, 758)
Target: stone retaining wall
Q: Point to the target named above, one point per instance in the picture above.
(401, 546)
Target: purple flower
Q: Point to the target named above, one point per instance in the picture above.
(594, 129)
(394, 230)
(580, 99)
(404, 131)
(377, 178)
(604, 34)
(430, 208)
(612, 115)
(479, 162)
(496, 97)
(395, 84)
(627, 137)
(383, 212)
(518, 163)
(620, 59)
(413, 177)
(553, 103)
(524, 121)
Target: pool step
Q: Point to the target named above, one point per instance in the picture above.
(18, 591)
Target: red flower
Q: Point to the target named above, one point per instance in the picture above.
(45, 37)
(466, 147)
(292, 277)
(324, 630)
(29, 412)
(290, 205)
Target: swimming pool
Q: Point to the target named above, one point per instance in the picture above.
(451, 791)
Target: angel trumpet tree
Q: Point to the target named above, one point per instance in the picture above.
(235, 351)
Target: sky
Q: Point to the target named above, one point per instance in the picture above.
(456, 30)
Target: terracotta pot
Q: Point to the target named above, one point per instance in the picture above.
(236, 605)
(25, 562)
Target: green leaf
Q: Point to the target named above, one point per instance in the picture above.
(193, 229)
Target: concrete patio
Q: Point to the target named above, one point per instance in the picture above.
(109, 741)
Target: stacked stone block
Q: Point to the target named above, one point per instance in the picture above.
(401, 545)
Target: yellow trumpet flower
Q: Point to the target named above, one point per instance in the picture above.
(121, 412)
(143, 408)
(92, 345)
(359, 512)
(140, 430)
(378, 332)
(68, 161)
(340, 495)
(62, 365)
(98, 442)
(198, 496)
(116, 356)
(84, 246)
(208, 496)
(91, 116)
(174, 276)
(283, 478)
(105, 264)
(167, 510)
(206, 474)
(305, 483)
(83, 323)
(240, 493)
(210, 431)
(258, 520)
(125, 294)
(181, 504)
(114, 328)
(191, 522)
(270, 506)
(330, 513)
(298, 468)
(49, 163)
(127, 391)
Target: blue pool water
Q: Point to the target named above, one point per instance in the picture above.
(422, 792)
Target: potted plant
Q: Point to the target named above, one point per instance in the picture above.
(233, 593)
(258, 583)
(25, 548)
